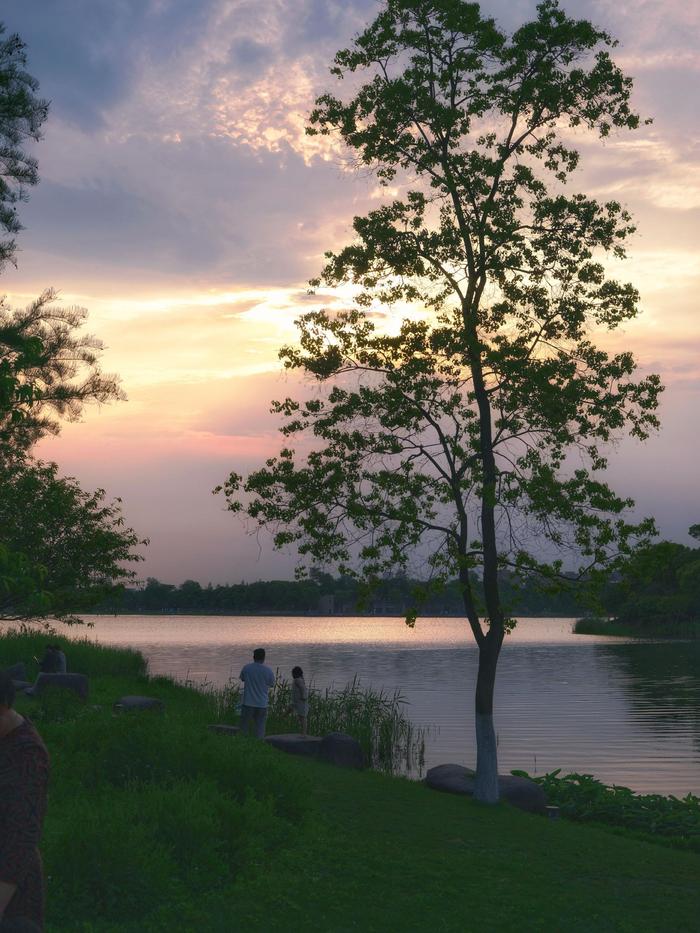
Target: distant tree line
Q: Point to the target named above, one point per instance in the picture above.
(322, 593)
(658, 584)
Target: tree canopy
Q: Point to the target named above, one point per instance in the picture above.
(70, 546)
(475, 434)
(22, 114)
(48, 371)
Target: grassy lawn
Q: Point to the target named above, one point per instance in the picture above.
(156, 824)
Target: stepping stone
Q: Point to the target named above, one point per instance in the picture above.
(520, 792)
(224, 729)
(78, 683)
(130, 704)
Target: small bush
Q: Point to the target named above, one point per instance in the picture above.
(582, 797)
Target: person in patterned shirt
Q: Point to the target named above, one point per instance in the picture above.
(24, 772)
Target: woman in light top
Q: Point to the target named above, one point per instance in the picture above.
(300, 698)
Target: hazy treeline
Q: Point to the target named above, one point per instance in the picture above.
(660, 583)
(325, 594)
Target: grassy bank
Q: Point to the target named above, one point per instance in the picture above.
(594, 626)
(156, 824)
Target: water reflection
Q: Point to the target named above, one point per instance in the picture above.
(627, 712)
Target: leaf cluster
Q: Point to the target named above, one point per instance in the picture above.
(62, 549)
(21, 115)
(47, 371)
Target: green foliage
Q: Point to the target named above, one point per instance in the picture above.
(394, 595)
(230, 834)
(658, 586)
(83, 656)
(60, 547)
(21, 116)
(47, 371)
(582, 797)
(74, 545)
(147, 809)
(453, 437)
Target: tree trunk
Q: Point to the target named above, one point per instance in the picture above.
(486, 784)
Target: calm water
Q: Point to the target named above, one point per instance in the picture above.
(627, 712)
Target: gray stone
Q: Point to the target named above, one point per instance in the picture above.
(223, 729)
(520, 792)
(78, 683)
(296, 744)
(342, 750)
(130, 704)
(454, 779)
(17, 671)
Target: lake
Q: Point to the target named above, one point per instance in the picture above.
(626, 711)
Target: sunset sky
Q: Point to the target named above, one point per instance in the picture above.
(182, 205)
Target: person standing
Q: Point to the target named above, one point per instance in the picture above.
(24, 774)
(300, 698)
(257, 679)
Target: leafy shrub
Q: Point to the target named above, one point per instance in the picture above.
(582, 797)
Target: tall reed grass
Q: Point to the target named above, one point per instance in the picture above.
(83, 654)
(376, 718)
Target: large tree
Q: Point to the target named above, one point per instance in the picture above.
(22, 114)
(71, 548)
(475, 437)
(61, 548)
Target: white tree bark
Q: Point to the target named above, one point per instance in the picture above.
(486, 783)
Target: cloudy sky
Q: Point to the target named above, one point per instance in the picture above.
(181, 203)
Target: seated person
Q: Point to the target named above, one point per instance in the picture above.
(54, 661)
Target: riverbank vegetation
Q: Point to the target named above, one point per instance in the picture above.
(156, 824)
(583, 798)
(654, 594)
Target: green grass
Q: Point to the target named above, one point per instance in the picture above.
(594, 626)
(156, 824)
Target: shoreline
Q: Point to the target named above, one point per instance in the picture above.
(673, 631)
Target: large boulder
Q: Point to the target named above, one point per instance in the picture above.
(296, 744)
(522, 793)
(342, 750)
(519, 791)
(336, 747)
(78, 683)
(129, 704)
(454, 779)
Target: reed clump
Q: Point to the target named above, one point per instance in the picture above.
(376, 718)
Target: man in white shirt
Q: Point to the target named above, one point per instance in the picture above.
(257, 679)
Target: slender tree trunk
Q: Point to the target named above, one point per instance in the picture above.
(486, 784)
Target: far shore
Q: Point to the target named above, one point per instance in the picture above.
(300, 613)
